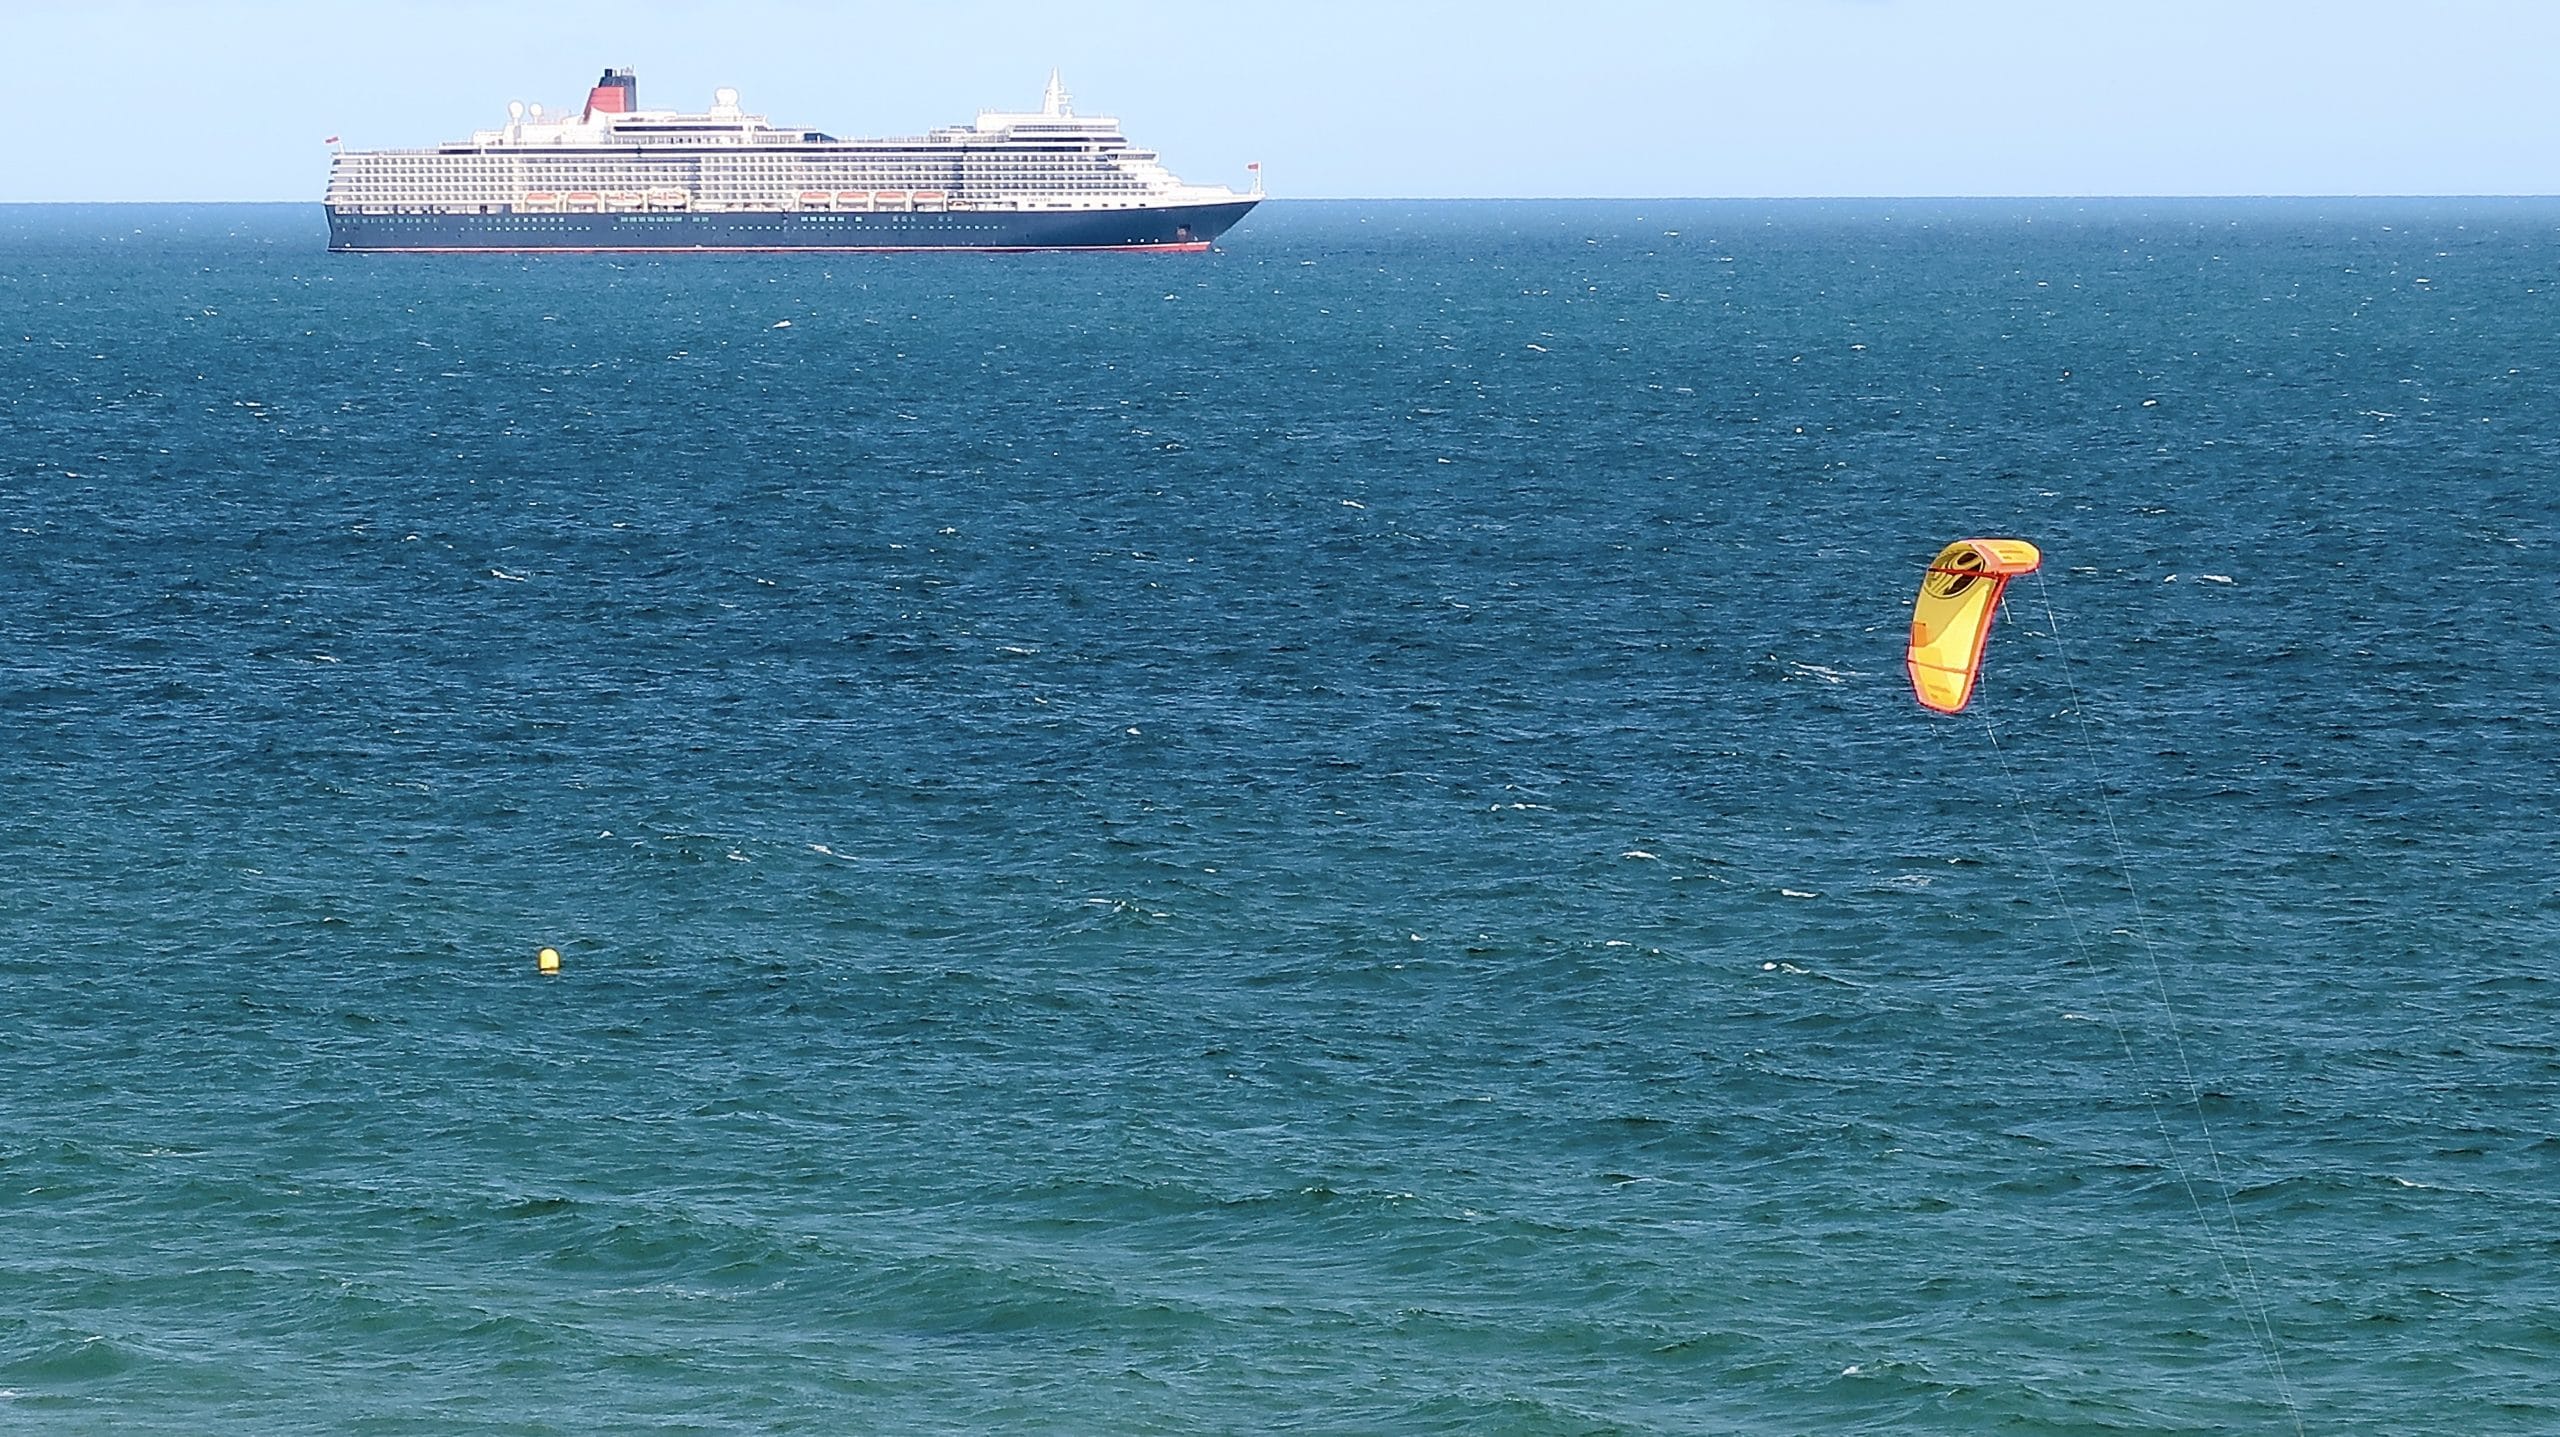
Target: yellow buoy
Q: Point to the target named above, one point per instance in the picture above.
(548, 960)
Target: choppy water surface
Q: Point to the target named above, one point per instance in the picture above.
(1328, 837)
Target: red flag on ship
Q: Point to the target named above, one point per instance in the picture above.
(1256, 165)
(330, 141)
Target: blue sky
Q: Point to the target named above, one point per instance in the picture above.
(125, 100)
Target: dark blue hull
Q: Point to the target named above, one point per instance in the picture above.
(1188, 227)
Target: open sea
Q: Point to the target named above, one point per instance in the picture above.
(1328, 837)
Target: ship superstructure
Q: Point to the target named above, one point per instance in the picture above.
(613, 176)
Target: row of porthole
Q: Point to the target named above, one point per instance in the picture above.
(481, 223)
(560, 221)
(615, 174)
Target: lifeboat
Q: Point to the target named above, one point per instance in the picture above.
(930, 199)
(815, 199)
(624, 199)
(890, 197)
(853, 199)
(671, 199)
(539, 199)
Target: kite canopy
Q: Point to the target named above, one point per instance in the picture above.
(1952, 620)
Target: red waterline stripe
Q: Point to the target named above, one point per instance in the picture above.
(1193, 247)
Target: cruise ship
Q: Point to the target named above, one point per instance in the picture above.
(614, 177)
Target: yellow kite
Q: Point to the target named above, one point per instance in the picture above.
(1952, 621)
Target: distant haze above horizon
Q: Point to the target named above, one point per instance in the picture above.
(1634, 98)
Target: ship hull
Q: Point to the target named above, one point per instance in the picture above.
(1169, 228)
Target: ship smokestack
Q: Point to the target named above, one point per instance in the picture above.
(618, 93)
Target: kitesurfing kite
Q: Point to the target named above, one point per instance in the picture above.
(1952, 620)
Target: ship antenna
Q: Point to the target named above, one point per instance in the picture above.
(1056, 102)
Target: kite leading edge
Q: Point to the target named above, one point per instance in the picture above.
(1952, 620)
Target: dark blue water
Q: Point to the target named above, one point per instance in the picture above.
(1328, 837)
